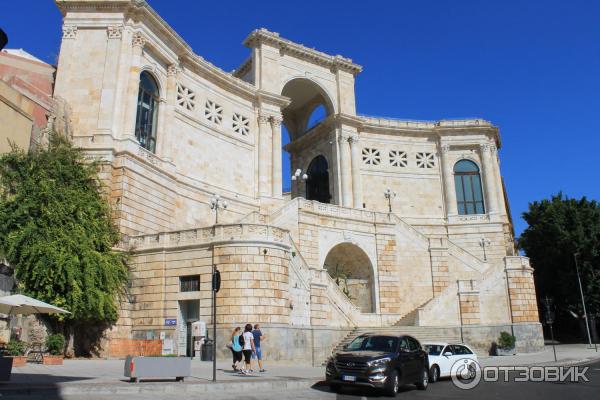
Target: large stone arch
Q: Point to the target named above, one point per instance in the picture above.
(305, 94)
(352, 269)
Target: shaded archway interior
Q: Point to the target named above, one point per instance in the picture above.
(350, 266)
(317, 184)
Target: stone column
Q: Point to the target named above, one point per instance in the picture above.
(264, 156)
(345, 170)
(276, 135)
(448, 179)
(138, 42)
(356, 179)
(489, 180)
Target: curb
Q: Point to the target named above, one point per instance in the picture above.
(100, 389)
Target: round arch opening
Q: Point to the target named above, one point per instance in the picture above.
(317, 184)
(306, 96)
(351, 268)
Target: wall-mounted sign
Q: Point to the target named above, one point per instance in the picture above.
(170, 321)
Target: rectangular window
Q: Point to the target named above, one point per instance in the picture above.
(190, 283)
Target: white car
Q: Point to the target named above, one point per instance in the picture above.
(442, 357)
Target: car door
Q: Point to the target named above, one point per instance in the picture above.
(445, 361)
(406, 360)
(417, 360)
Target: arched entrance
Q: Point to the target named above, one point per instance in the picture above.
(310, 105)
(352, 270)
(317, 184)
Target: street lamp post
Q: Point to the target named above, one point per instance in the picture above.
(587, 324)
(549, 317)
(389, 194)
(484, 242)
(299, 175)
(215, 203)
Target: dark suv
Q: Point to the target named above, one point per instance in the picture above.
(382, 361)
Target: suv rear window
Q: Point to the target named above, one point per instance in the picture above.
(374, 343)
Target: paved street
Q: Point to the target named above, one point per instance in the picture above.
(440, 390)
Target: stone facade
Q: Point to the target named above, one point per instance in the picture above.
(417, 256)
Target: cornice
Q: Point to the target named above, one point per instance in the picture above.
(286, 46)
(243, 68)
(271, 98)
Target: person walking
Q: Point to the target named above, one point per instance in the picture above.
(236, 347)
(258, 339)
(248, 347)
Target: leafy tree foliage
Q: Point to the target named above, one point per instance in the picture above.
(57, 233)
(558, 228)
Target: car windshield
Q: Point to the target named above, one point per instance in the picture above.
(374, 343)
(433, 349)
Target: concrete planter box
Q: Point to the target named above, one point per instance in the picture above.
(52, 360)
(506, 352)
(157, 367)
(18, 361)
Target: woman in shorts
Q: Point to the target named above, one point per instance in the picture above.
(249, 348)
(236, 347)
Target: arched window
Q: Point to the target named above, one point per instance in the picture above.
(469, 195)
(147, 112)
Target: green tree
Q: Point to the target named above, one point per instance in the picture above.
(57, 233)
(558, 228)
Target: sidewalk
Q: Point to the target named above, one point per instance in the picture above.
(566, 354)
(105, 377)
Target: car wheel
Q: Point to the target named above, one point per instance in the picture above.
(393, 384)
(334, 387)
(422, 384)
(434, 374)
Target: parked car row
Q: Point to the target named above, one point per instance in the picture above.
(385, 361)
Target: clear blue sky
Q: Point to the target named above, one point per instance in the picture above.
(530, 67)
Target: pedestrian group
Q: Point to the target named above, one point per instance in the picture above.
(246, 344)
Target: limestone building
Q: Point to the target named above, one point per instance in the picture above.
(398, 225)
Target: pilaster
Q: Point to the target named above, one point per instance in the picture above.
(489, 179)
(264, 156)
(138, 42)
(345, 167)
(357, 197)
(449, 187)
(276, 153)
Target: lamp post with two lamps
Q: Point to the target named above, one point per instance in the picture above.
(296, 178)
(389, 195)
(216, 203)
(484, 242)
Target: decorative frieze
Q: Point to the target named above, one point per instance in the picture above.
(425, 160)
(240, 124)
(213, 112)
(371, 156)
(186, 98)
